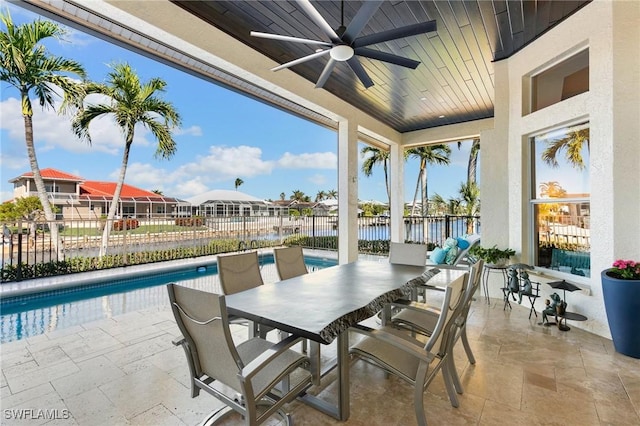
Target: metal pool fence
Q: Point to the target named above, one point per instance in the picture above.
(31, 250)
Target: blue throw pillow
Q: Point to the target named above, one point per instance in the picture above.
(451, 256)
(438, 255)
(450, 242)
(463, 244)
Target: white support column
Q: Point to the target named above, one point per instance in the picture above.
(396, 209)
(347, 191)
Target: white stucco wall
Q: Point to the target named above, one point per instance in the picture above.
(611, 32)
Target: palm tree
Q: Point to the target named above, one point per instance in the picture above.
(470, 195)
(131, 102)
(158, 191)
(298, 195)
(552, 190)
(472, 165)
(572, 143)
(283, 195)
(439, 204)
(321, 195)
(375, 156)
(27, 66)
(432, 154)
(238, 182)
(332, 194)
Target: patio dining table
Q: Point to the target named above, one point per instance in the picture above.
(321, 306)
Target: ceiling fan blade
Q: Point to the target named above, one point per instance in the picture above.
(409, 30)
(357, 68)
(318, 19)
(289, 38)
(301, 60)
(387, 57)
(363, 15)
(326, 72)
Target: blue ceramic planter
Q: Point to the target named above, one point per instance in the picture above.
(622, 304)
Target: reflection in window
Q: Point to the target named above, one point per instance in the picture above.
(562, 81)
(560, 199)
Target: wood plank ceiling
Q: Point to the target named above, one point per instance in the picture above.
(454, 82)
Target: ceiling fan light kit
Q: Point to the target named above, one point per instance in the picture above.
(341, 52)
(346, 46)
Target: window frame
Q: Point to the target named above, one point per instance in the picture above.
(533, 201)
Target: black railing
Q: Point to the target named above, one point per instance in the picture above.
(29, 251)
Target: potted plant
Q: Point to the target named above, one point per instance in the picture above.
(621, 293)
(492, 256)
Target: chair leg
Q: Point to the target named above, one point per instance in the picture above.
(453, 373)
(418, 395)
(467, 347)
(217, 415)
(449, 383)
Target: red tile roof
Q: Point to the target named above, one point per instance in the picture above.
(50, 173)
(97, 190)
(92, 187)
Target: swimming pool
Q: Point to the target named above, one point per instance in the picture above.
(34, 314)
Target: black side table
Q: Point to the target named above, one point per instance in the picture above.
(569, 316)
(486, 270)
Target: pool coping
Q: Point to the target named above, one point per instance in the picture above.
(21, 288)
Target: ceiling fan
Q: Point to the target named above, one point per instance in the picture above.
(346, 46)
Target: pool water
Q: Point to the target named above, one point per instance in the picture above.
(35, 314)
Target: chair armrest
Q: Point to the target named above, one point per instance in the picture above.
(459, 266)
(416, 306)
(263, 360)
(179, 341)
(406, 344)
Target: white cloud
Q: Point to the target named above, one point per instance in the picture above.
(318, 160)
(318, 179)
(74, 38)
(227, 162)
(144, 176)
(53, 131)
(13, 157)
(189, 188)
(191, 131)
(221, 164)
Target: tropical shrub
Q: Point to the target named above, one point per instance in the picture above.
(189, 221)
(124, 224)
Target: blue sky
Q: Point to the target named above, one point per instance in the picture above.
(224, 136)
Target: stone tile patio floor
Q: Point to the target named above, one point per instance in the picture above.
(125, 371)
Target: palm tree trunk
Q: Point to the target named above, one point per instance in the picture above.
(415, 194)
(473, 161)
(386, 182)
(116, 195)
(37, 177)
(425, 203)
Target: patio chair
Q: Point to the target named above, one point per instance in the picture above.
(239, 272)
(423, 319)
(410, 359)
(409, 254)
(290, 262)
(264, 374)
